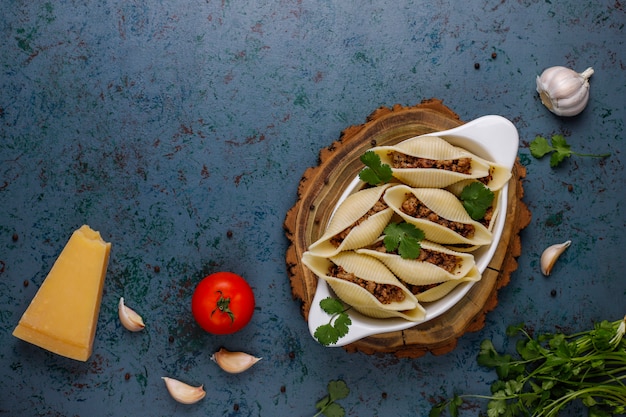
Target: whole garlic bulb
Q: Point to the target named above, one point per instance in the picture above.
(564, 91)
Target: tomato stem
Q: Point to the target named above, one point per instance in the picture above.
(223, 305)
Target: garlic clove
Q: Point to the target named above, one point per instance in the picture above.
(183, 393)
(233, 362)
(564, 91)
(551, 254)
(129, 318)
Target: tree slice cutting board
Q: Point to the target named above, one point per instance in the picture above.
(321, 187)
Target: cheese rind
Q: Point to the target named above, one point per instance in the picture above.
(63, 315)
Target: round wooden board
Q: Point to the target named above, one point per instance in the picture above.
(320, 189)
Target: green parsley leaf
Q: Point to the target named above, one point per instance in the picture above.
(342, 324)
(337, 390)
(476, 199)
(554, 370)
(323, 402)
(559, 148)
(326, 334)
(539, 147)
(489, 357)
(403, 237)
(331, 305)
(436, 410)
(496, 408)
(334, 410)
(337, 326)
(376, 172)
(455, 404)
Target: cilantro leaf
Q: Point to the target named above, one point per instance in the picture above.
(334, 410)
(323, 402)
(551, 371)
(342, 324)
(436, 410)
(539, 147)
(331, 305)
(337, 390)
(337, 326)
(490, 358)
(403, 237)
(559, 148)
(496, 408)
(326, 334)
(376, 172)
(476, 199)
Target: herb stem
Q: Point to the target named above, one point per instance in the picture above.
(553, 370)
(600, 391)
(604, 155)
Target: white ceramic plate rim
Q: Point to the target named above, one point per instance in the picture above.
(492, 137)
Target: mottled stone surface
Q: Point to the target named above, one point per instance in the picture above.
(165, 125)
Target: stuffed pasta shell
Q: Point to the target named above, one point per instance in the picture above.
(438, 213)
(492, 212)
(357, 222)
(430, 161)
(434, 264)
(434, 292)
(366, 284)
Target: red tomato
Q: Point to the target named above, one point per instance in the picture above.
(222, 303)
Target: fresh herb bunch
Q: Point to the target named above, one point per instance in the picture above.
(552, 371)
(376, 172)
(403, 237)
(476, 198)
(337, 390)
(559, 148)
(337, 326)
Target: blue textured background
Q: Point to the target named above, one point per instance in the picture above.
(166, 124)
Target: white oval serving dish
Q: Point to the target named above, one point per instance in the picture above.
(491, 137)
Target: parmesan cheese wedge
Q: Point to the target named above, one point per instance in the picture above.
(63, 315)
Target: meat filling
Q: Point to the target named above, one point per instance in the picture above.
(400, 160)
(485, 221)
(415, 208)
(379, 206)
(446, 261)
(485, 180)
(418, 289)
(385, 293)
(460, 165)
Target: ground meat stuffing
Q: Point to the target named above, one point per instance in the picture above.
(400, 160)
(485, 180)
(385, 293)
(415, 208)
(418, 289)
(485, 221)
(446, 261)
(379, 206)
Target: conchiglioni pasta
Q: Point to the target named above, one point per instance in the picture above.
(363, 215)
(372, 274)
(437, 292)
(446, 221)
(435, 264)
(430, 161)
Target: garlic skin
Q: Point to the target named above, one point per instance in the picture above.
(233, 362)
(183, 393)
(551, 254)
(564, 91)
(129, 318)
